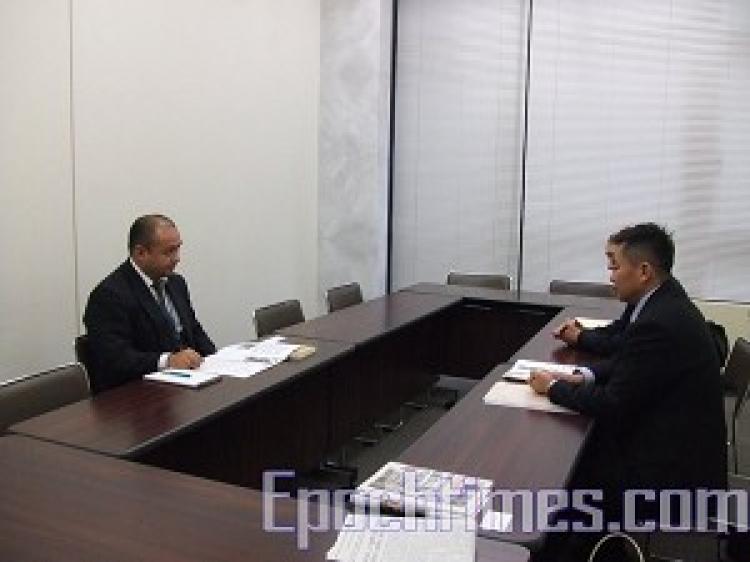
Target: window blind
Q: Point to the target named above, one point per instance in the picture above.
(457, 138)
(640, 111)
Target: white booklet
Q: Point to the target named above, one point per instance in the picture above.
(521, 369)
(183, 377)
(591, 323)
(411, 490)
(514, 395)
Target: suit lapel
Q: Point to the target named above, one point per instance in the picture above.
(147, 301)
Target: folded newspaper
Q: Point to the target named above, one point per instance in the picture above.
(244, 360)
(409, 490)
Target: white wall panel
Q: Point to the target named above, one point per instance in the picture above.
(37, 285)
(354, 131)
(206, 111)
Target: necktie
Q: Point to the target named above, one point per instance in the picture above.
(159, 287)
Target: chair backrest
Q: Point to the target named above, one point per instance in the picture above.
(31, 395)
(343, 296)
(487, 280)
(737, 375)
(720, 340)
(268, 319)
(81, 346)
(581, 288)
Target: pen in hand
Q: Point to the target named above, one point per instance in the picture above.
(178, 373)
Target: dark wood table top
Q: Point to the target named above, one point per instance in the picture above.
(373, 319)
(131, 419)
(63, 504)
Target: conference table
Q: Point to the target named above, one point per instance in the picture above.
(60, 503)
(370, 358)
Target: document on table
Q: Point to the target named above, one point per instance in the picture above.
(183, 377)
(521, 369)
(376, 538)
(514, 395)
(272, 350)
(239, 369)
(591, 323)
(247, 359)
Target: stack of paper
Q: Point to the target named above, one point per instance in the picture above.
(247, 359)
(591, 323)
(183, 377)
(521, 370)
(514, 395)
(374, 538)
(406, 489)
(273, 350)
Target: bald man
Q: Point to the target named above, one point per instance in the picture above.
(139, 319)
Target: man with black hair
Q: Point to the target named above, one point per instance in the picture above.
(139, 319)
(656, 396)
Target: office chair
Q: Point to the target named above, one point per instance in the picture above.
(489, 281)
(343, 296)
(737, 375)
(268, 319)
(81, 347)
(581, 288)
(32, 395)
(737, 535)
(337, 298)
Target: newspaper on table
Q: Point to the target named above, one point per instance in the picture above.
(247, 359)
(409, 490)
(521, 369)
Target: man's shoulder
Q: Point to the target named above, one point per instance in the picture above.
(673, 308)
(670, 295)
(115, 283)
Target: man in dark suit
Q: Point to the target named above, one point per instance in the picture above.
(656, 394)
(139, 319)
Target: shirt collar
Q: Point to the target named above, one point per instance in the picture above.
(642, 303)
(146, 279)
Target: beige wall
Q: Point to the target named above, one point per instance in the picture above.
(733, 316)
(37, 284)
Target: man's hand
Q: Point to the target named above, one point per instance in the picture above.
(568, 331)
(185, 359)
(540, 381)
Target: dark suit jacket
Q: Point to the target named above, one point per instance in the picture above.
(127, 331)
(658, 398)
(605, 341)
